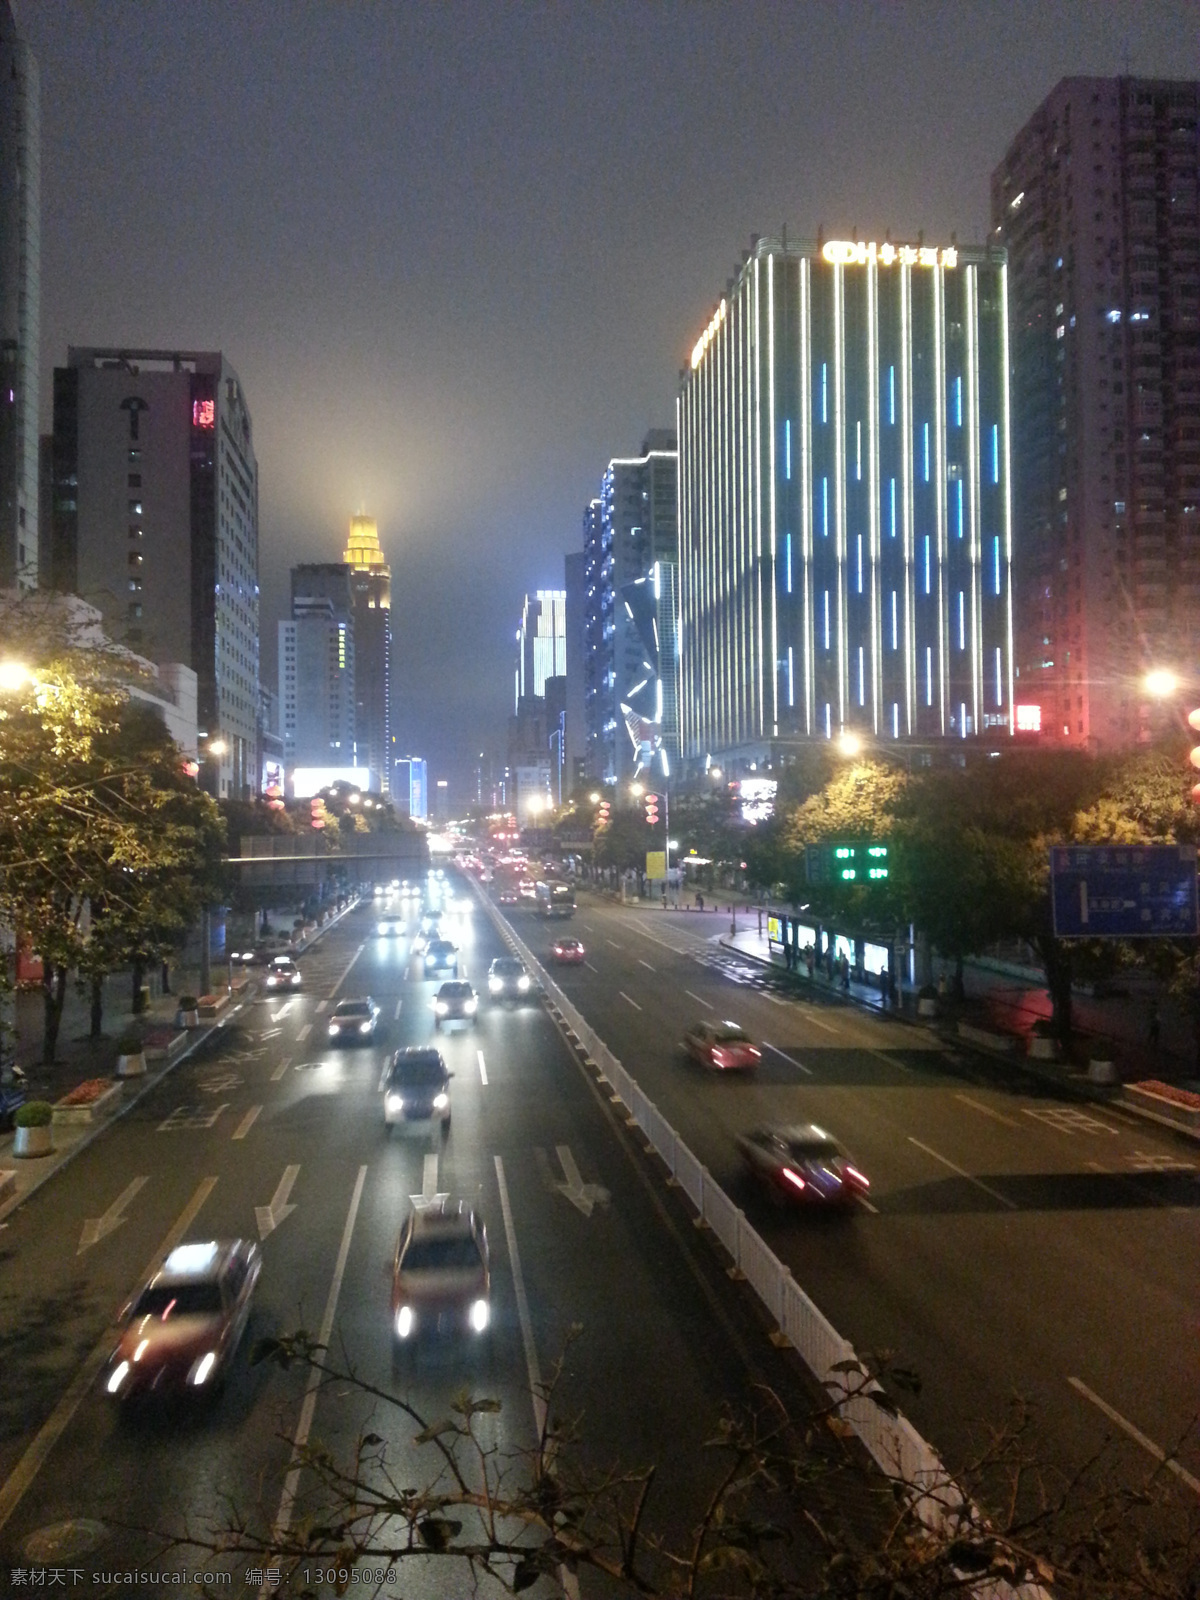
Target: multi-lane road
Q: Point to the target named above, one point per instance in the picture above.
(1016, 1242)
(268, 1132)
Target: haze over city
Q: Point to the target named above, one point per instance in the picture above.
(458, 254)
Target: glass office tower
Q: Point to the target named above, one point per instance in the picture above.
(845, 521)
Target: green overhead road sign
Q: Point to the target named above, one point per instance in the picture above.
(864, 863)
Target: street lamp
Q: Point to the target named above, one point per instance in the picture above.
(14, 675)
(849, 744)
(637, 790)
(1162, 683)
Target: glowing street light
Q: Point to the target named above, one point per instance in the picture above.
(217, 747)
(849, 744)
(1161, 683)
(14, 675)
(637, 790)
(594, 797)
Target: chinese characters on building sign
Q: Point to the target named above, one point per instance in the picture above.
(204, 413)
(849, 253)
(1029, 719)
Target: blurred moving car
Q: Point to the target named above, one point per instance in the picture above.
(507, 979)
(354, 1020)
(455, 1001)
(568, 952)
(283, 973)
(441, 955)
(723, 1045)
(441, 1282)
(180, 1332)
(802, 1162)
(390, 925)
(416, 1091)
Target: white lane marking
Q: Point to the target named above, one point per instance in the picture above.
(978, 1182)
(462, 970)
(863, 1201)
(346, 972)
(482, 1067)
(322, 1007)
(613, 942)
(429, 1175)
(269, 1217)
(583, 1196)
(774, 1048)
(278, 1016)
(287, 1501)
(774, 998)
(56, 1424)
(807, 1013)
(1067, 1119)
(997, 1116)
(699, 999)
(247, 1122)
(587, 926)
(889, 1061)
(1136, 1434)
(304, 1033)
(281, 1069)
(633, 1003)
(646, 964)
(399, 1003)
(96, 1228)
(589, 966)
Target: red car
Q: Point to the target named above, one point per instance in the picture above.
(803, 1164)
(568, 952)
(723, 1045)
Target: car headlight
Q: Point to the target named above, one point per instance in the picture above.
(202, 1371)
(478, 1315)
(404, 1322)
(365, 1027)
(295, 979)
(334, 1030)
(522, 983)
(272, 981)
(382, 928)
(394, 1102)
(117, 1377)
(440, 1102)
(440, 1007)
(495, 985)
(470, 1006)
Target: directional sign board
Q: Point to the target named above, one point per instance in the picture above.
(1124, 891)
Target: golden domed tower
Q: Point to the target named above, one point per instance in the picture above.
(371, 586)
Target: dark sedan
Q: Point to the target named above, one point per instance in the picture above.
(802, 1163)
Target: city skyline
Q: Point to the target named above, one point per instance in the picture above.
(467, 286)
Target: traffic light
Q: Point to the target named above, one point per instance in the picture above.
(652, 808)
(603, 814)
(1194, 757)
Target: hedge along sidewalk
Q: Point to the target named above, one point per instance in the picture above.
(28, 1174)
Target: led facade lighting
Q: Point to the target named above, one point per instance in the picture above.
(845, 525)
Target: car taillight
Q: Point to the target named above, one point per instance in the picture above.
(752, 1050)
(794, 1178)
(718, 1057)
(856, 1176)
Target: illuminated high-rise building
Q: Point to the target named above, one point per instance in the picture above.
(20, 301)
(317, 675)
(371, 589)
(1096, 204)
(541, 642)
(845, 527)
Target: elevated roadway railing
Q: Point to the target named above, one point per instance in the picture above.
(909, 1462)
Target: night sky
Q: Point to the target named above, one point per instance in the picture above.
(458, 253)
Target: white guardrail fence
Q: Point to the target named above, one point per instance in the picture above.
(892, 1441)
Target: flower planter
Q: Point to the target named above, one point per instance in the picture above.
(187, 1019)
(211, 1005)
(33, 1142)
(131, 1065)
(1043, 1047)
(1166, 1100)
(89, 1102)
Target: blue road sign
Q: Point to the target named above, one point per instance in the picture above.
(1104, 891)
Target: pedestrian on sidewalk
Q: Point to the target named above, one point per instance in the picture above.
(810, 959)
(845, 973)
(884, 985)
(1154, 1028)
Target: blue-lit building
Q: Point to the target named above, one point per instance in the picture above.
(844, 502)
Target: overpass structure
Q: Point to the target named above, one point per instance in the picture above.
(277, 860)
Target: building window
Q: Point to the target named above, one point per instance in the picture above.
(135, 508)
(135, 480)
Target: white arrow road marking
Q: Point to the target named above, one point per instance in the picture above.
(633, 1003)
(269, 1217)
(278, 1016)
(791, 1060)
(57, 1423)
(304, 1033)
(268, 1033)
(247, 1122)
(95, 1228)
(1147, 1444)
(482, 1067)
(583, 1196)
(281, 1069)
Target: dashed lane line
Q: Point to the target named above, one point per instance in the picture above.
(483, 1078)
(247, 1122)
(646, 964)
(399, 1005)
(775, 1050)
(1136, 1434)
(304, 1033)
(281, 1069)
(996, 1116)
(962, 1173)
(346, 970)
(700, 1000)
(626, 998)
(590, 967)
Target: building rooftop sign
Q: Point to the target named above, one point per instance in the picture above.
(850, 253)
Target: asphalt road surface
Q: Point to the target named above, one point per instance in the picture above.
(1016, 1240)
(268, 1132)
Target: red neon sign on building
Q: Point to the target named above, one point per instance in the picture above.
(204, 413)
(1029, 719)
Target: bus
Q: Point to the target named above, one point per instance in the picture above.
(555, 899)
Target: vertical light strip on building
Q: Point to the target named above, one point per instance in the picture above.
(1007, 493)
(757, 710)
(773, 423)
(873, 492)
(971, 309)
(806, 483)
(938, 288)
(839, 480)
(906, 486)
